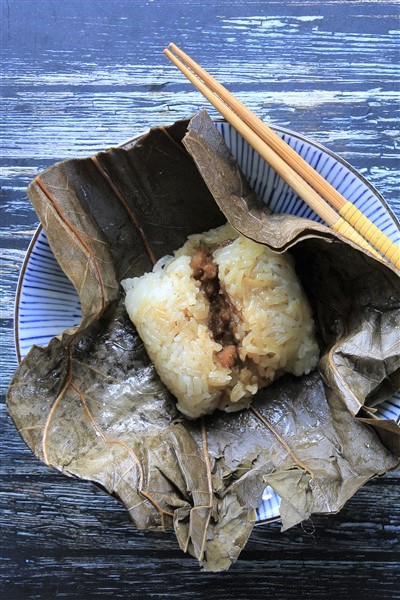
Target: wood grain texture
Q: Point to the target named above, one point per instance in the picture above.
(79, 77)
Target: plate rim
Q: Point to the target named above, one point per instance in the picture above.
(129, 144)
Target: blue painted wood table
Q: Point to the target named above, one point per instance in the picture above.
(79, 77)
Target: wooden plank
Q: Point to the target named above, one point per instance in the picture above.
(65, 516)
(79, 77)
(124, 576)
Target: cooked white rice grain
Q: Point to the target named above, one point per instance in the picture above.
(270, 319)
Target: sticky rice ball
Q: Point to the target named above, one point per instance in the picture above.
(222, 318)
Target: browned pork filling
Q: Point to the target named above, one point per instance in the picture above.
(220, 322)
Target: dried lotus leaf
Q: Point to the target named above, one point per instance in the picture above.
(91, 405)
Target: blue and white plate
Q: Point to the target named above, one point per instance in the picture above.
(47, 303)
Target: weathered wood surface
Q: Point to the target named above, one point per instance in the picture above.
(81, 76)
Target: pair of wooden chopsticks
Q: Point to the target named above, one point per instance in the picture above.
(340, 214)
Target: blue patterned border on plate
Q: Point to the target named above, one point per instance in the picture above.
(47, 301)
(48, 304)
(280, 198)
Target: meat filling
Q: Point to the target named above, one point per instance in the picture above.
(220, 321)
